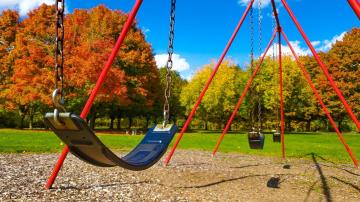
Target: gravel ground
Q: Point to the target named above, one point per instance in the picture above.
(191, 176)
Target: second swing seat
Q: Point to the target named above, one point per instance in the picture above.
(256, 140)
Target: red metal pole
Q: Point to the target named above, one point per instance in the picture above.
(192, 113)
(282, 118)
(99, 82)
(355, 5)
(323, 67)
(243, 96)
(318, 97)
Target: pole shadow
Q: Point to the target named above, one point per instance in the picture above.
(324, 183)
(96, 186)
(346, 183)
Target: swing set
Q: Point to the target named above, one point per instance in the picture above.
(81, 141)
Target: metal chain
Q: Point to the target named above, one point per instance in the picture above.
(169, 64)
(260, 52)
(58, 93)
(252, 62)
(274, 58)
(59, 46)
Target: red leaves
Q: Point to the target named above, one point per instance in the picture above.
(89, 37)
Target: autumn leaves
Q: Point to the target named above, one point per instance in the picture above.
(134, 87)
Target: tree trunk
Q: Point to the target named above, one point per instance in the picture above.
(22, 121)
(340, 124)
(118, 123)
(130, 121)
(22, 112)
(147, 122)
(31, 120)
(111, 123)
(308, 125)
(93, 119)
(288, 125)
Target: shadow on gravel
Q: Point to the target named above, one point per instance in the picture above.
(324, 183)
(191, 164)
(254, 165)
(273, 182)
(231, 180)
(347, 183)
(221, 181)
(98, 186)
(343, 169)
(310, 190)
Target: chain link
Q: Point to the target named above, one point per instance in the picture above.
(169, 63)
(274, 58)
(252, 63)
(59, 53)
(260, 52)
(58, 93)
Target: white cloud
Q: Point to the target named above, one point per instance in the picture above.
(285, 50)
(24, 6)
(315, 43)
(327, 44)
(179, 64)
(301, 49)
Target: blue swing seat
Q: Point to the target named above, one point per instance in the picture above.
(84, 144)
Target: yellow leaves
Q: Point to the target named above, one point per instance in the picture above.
(222, 93)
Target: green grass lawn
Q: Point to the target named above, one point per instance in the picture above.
(326, 145)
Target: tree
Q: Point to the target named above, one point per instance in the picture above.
(299, 102)
(222, 95)
(30, 62)
(343, 61)
(132, 84)
(9, 22)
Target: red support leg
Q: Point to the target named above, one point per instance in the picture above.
(355, 5)
(192, 113)
(243, 95)
(318, 97)
(322, 66)
(99, 82)
(282, 118)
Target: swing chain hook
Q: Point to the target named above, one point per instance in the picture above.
(169, 64)
(58, 93)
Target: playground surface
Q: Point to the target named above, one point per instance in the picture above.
(191, 176)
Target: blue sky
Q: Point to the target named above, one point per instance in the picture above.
(203, 27)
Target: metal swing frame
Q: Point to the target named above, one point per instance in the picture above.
(278, 32)
(356, 7)
(80, 139)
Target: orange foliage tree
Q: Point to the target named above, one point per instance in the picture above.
(132, 83)
(343, 62)
(30, 61)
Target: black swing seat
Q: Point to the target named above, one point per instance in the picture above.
(256, 140)
(84, 144)
(276, 137)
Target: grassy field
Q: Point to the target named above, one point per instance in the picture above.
(326, 145)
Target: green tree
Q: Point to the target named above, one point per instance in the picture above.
(299, 102)
(222, 95)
